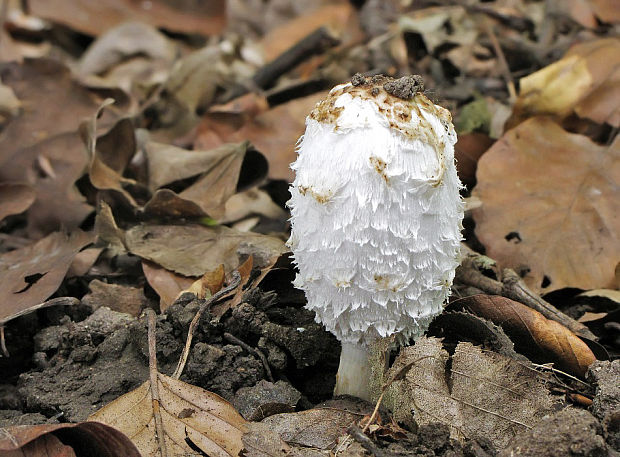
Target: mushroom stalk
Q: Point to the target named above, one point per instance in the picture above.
(353, 372)
(375, 216)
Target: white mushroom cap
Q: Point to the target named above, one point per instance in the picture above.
(375, 210)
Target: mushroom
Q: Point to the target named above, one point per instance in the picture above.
(376, 216)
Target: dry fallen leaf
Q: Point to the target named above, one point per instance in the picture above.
(474, 392)
(65, 440)
(585, 81)
(467, 150)
(206, 286)
(281, 38)
(532, 333)
(192, 250)
(123, 299)
(15, 199)
(187, 412)
(123, 42)
(110, 154)
(274, 132)
(31, 274)
(40, 146)
(95, 18)
(318, 429)
(550, 206)
(217, 170)
(166, 283)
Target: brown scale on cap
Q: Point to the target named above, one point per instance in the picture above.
(396, 99)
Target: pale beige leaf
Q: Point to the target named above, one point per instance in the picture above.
(187, 411)
(586, 81)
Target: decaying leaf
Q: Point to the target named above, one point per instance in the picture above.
(31, 274)
(474, 392)
(533, 334)
(585, 81)
(317, 428)
(189, 415)
(192, 250)
(550, 206)
(65, 440)
(15, 199)
(274, 133)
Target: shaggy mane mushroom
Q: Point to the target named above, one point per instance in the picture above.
(376, 216)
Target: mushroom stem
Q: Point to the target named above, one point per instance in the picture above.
(354, 372)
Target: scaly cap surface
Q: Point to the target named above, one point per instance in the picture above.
(375, 209)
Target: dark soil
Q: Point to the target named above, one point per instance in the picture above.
(74, 368)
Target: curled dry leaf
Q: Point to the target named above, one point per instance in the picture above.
(191, 85)
(533, 335)
(15, 199)
(66, 440)
(585, 81)
(110, 153)
(125, 41)
(189, 415)
(206, 286)
(550, 206)
(476, 393)
(218, 170)
(31, 274)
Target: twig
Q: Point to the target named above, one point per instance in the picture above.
(154, 377)
(315, 43)
(233, 339)
(512, 91)
(513, 287)
(5, 351)
(236, 280)
(358, 435)
(375, 411)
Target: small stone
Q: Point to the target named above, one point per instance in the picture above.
(266, 399)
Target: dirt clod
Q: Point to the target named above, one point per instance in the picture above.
(266, 399)
(405, 87)
(222, 369)
(569, 432)
(89, 364)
